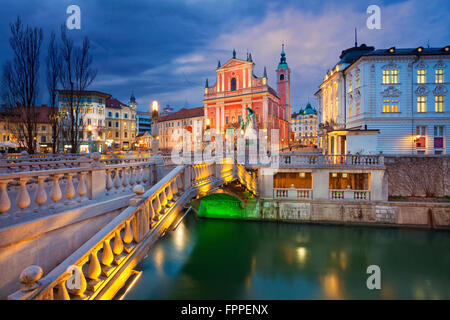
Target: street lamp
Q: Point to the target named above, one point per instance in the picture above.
(155, 141)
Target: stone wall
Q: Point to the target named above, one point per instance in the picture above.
(418, 176)
(425, 215)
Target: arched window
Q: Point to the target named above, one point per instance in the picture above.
(281, 76)
(233, 84)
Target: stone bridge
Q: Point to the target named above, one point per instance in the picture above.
(103, 263)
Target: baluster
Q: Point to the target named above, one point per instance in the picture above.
(94, 269)
(109, 183)
(82, 189)
(116, 179)
(180, 183)
(174, 186)
(128, 236)
(82, 282)
(117, 244)
(41, 196)
(55, 193)
(152, 214)
(158, 208)
(23, 198)
(146, 174)
(5, 203)
(70, 189)
(163, 197)
(124, 178)
(169, 192)
(138, 175)
(132, 177)
(107, 255)
(62, 293)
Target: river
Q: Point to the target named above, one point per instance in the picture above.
(231, 259)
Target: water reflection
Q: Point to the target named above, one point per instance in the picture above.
(224, 259)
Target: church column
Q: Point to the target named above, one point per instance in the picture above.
(223, 118)
(223, 81)
(217, 119)
(244, 79)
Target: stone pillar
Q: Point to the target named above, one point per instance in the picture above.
(158, 168)
(320, 184)
(96, 179)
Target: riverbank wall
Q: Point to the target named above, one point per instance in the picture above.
(384, 213)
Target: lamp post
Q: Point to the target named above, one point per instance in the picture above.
(89, 128)
(155, 141)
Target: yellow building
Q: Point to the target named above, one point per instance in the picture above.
(121, 129)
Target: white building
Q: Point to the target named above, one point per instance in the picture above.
(387, 100)
(171, 127)
(304, 126)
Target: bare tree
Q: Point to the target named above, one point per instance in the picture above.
(53, 63)
(20, 79)
(75, 77)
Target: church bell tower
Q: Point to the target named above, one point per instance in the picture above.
(284, 84)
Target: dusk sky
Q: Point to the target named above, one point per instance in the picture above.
(166, 49)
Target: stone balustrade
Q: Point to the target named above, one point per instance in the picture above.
(90, 272)
(28, 194)
(292, 194)
(326, 161)
(348, 194)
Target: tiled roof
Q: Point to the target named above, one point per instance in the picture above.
(183, 114)
(114, 103)
(43, 113)
(87, 92)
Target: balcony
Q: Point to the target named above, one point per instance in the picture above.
(331, 161)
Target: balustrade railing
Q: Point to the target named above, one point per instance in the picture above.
(348, 194)
(107, 253)
(28, 193)
(292, 193)
(320, 160)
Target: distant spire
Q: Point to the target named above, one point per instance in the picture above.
(356, 38)
(206, 84)
(132, 98)
(250, 57)
(282, 63)
(234, 54)
(265, 72)
(218, 65)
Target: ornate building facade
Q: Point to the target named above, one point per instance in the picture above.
(304, 126)
(392, 100)
(236, 89)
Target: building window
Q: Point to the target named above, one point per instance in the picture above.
(422, 104)
(350, 111)
(386, 105)
(438, 139)
(117, 124)
(357, 81)
(43, 139)
(109, 114)
(439, 103)
(350, 85)
(421, 76)
(109, 124)
(125, 115)
(439, 76)
(421, 132)
(233, 84)
(281, 77)
(390, 76)
(125, 134)
(117, 114)
(226, 120)
(100, 111)
(117, 134)
(386, 76)
(394, 105)
(43, 128)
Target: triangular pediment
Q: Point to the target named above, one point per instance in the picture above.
(235, 63)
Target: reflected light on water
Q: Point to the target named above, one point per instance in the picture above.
(159, 259)
(179, 237)
(343, 260)
(302, 254)
(331, 285)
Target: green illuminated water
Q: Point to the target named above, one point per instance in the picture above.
(229, 259)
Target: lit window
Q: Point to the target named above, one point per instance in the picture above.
(357, 81)
(394, 106)
(386, 77)
(438, 103)
(350, 85)
(422, 104)
(350, 111)
(386, 104)
(421, 76)
(394, 76)
(439, 76)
